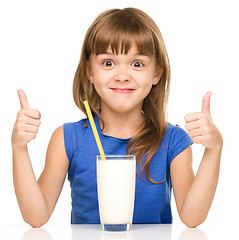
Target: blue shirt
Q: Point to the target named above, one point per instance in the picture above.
(152, 201)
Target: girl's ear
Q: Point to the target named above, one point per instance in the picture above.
(158, 74)
(89, 72)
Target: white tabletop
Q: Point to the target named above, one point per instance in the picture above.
(93, 232)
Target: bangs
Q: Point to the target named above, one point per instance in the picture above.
(118, 32)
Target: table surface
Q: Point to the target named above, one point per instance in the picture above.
(93, 232)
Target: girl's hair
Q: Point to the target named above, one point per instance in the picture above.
(118, 29)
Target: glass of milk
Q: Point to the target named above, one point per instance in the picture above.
(116, 189)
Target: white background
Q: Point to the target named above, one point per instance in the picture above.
(40, 48)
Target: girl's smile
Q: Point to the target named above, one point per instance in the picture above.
(122, 90)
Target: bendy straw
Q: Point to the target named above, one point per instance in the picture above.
(92, 123)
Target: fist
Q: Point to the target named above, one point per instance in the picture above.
(27, 122)
(201, 128)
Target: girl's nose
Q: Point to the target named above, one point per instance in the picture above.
(122, 74)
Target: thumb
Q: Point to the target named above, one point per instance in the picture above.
(23, 99)
(206, 103)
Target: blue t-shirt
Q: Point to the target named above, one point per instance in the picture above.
(152, 201)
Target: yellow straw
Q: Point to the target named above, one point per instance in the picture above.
(92, 123)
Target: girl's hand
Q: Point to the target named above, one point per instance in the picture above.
(201, 128)
(27, 123)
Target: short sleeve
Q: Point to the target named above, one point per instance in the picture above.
(70, 140)
(179, 141)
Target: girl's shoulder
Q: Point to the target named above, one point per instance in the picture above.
(175, 131)
(71, 127)
(75, 130)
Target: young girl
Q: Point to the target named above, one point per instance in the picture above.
(124, 73)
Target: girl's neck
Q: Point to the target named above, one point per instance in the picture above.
(122, 125)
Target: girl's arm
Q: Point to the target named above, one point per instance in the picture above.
(36, 199)
(194, 194)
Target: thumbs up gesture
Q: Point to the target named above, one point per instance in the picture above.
(27, 122)
(201, 128)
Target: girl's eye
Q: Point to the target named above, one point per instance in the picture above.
(108, 63)
(137, 64)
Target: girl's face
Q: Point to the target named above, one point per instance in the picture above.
(123, 81)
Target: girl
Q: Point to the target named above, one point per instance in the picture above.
(124, 73)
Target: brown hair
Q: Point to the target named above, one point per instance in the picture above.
(118, 28)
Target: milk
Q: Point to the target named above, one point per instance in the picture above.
(116, 189)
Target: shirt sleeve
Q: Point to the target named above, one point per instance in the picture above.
(179, 141)
(70, 140)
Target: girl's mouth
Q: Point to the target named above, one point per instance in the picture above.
(122, 90)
